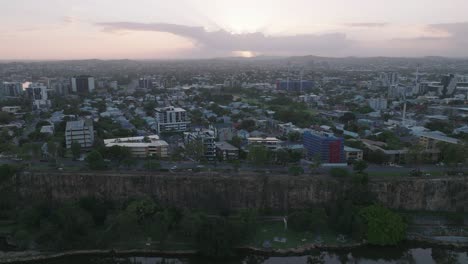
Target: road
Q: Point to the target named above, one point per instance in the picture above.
(192, 165)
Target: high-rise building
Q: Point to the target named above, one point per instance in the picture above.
(171, 119)
(329, 148)
(39, 95)
(449, 84)
(207, 138)
(80, 131)
(389, 79)
(13, 89)
(295, 85)
(60, 86)
(83, 84)
(378, 104)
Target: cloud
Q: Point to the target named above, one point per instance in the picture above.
(224, 41)
(366, 25)
(449, 39)
(70, 20)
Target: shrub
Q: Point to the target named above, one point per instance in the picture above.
(339, 172)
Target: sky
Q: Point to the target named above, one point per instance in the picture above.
(176, 29)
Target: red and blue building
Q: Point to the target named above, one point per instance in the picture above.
(327, 146)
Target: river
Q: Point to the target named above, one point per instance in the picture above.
(382, 255)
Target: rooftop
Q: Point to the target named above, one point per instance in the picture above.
(130, 139)
(225, 146)
(75, 125)
(439, 137)
(349, 149)
(157, 143)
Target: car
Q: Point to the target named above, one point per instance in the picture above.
(174, 167)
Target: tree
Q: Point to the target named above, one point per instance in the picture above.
(248, 220)
(195, 149)
(129, 162)
(191, 223)
(294, 136)
(347, 117)
(98, 209)
(152, 165)
(311, 220)
(236, 165)
(443, 126)
(248, 125)
(359, 166)
(75, 149)
(377, 157)
(216, 237)
(414, 155)
(339, 172)
(295, 170)
(316, 163)
(282, 156)
(453, 154)
(52, 148)
(236, 141)
(259, 155)
(384, 227)
(95, 160)
(6, 118)
(6, 172)
(118, 153)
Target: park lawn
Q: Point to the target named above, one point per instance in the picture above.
(173, 242)
(7, 227)
(270, 230)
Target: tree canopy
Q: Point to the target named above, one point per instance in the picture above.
(95, 160)
(384, 227)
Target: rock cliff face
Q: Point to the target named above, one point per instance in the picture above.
(443, 194)
(239, 191)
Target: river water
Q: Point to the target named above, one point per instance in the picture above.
(382, 255)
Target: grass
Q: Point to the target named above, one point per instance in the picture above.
(141, 243)
(270, 230)
(7, 227)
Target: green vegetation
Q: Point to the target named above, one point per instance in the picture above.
(384, 227)
(339, 172)
(93, 223)
(95, 161)
(359, 166)
(296, 170)
(152, 165)
(143, 223)
(443, 126)
(195, 149)
(6, 118)
(259, 155)
(313, 220)
(75, 149)
(392, 141)
(453, 154)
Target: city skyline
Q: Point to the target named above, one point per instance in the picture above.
(53, 29)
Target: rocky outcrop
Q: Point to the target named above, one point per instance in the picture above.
(431, 194)
(215, 191)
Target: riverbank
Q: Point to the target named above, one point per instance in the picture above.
(37, 256)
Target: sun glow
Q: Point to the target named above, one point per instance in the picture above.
(244, 53)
